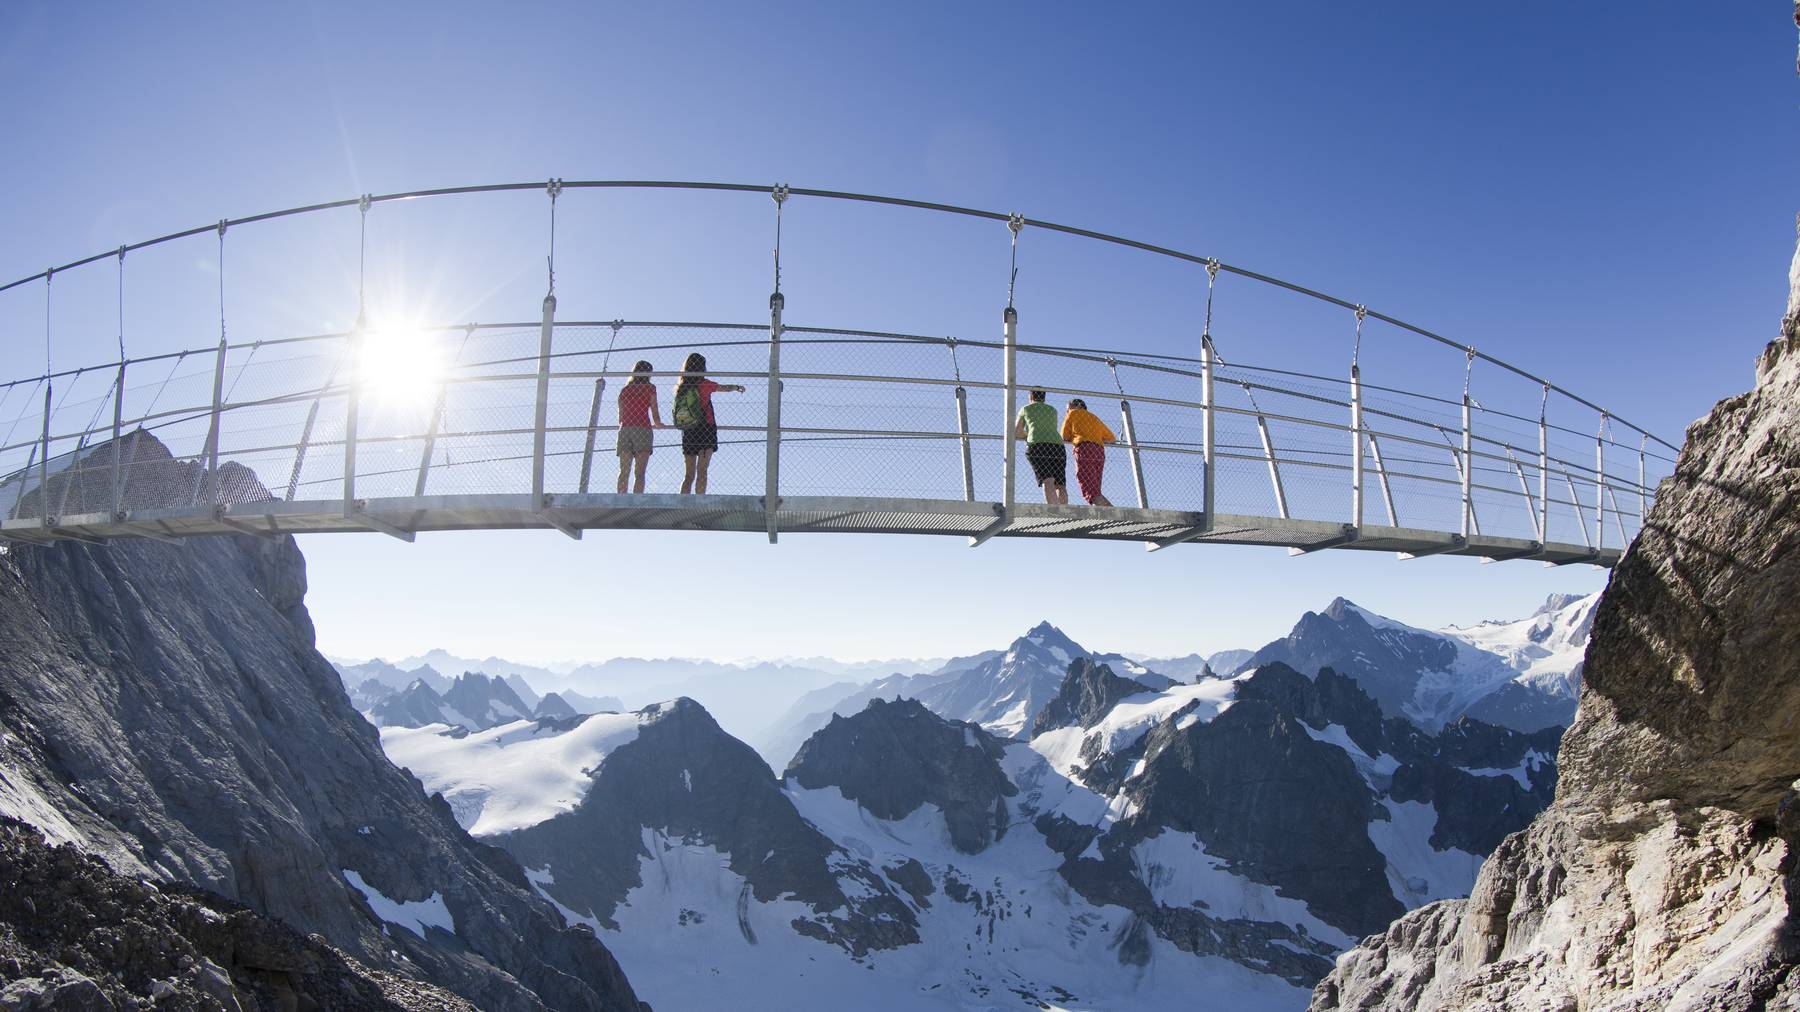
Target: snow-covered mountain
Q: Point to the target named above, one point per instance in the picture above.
(1523, 674)
(1226, 838)
(1001, 690)
(475, 702)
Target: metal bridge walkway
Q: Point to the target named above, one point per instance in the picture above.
(837, 430)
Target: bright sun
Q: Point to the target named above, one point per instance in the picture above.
(400, 366)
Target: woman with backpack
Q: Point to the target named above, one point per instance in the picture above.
(693, 415)
(639, 417)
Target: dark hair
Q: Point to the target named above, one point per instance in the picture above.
(693, 370)
(1037, 395)
(640, 373)
(1078, 403)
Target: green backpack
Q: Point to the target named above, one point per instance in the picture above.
(689, 411)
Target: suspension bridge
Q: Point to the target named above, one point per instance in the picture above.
(837, 429)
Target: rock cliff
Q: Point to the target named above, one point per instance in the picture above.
(1663, 875)
(162, 706)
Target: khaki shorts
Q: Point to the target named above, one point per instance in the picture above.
(634, 440)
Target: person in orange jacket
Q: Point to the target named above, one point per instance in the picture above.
(1089, 435)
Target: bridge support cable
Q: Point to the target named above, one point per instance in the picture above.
(772, 442)
(593, 426)
(1208, 427)
(540, 503)
(355, 349)
(962, 425)
(1009, 336)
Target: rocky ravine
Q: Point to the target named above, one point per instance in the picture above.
(162, 706)
(1663, 876)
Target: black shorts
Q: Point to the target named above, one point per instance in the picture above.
(694, 439)
(1049, 462)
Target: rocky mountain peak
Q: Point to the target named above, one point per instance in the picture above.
(1089, 691)
(894, 757)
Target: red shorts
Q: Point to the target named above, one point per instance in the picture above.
(1090, 463)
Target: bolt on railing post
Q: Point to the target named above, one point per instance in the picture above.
(1010, 335)
(351, 396)
(212, 432)
(1137, 460)
(587, 451)
(772, 467)
(117, 474)
(1209, 465)
(962, 431)
(541, 418)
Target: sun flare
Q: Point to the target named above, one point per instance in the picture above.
(400, 365)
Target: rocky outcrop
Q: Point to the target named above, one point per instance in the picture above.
(555, 707)
(485, 700)
(163, 707)
(1663, 876)
(77, 936)
(683, 779)
(414, 706)
(1088, 691)
(893, 757)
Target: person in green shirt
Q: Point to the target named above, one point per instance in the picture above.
(1037, 426)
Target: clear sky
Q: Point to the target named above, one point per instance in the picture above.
(1602, 192)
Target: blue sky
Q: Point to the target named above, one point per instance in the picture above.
(1603, 193)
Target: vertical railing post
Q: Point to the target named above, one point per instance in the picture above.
(212, 432)
(1009, 331)
(1544, 465)
(540, 420)
(1356, 426)
(587, 451)
(1209, 468)
(117, 476)
(1468, 457)
(1137, 460)
(962, 432)
(44, 459)
(351, 405)
(772, 466)
(1600, 485)
(1643, 489)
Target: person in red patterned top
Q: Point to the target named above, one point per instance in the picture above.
(639, 417)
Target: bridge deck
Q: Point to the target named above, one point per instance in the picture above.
(795, 515)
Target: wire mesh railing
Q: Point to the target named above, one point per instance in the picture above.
(377, 422)
(452, 413)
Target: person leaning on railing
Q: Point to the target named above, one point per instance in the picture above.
(1090, 436)
(1036, 425)
(693, 415)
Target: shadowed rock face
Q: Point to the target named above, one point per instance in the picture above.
(164, 705)
(1662, 877)
(1088, 691)
(74, 934)
(683, 779)
(893, 757)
